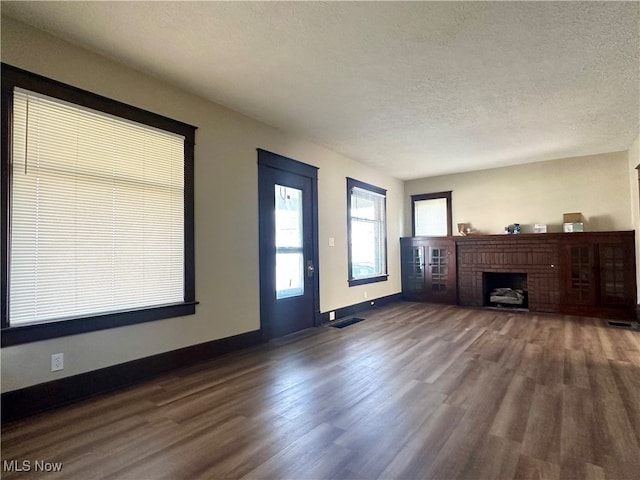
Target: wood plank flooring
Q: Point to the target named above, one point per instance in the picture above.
(416, 391)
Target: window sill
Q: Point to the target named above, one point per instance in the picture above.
(353, 282)
(43, 331)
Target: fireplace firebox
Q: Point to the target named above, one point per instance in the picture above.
(505, 290)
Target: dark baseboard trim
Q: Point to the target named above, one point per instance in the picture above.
(28, 401)
(361, 307)
(39, 398)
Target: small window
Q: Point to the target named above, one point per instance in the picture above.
(431, 214)
(367, 233)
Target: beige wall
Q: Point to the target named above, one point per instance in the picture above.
(226, 215)
(634, 161)
(597, 186)
(600, 186)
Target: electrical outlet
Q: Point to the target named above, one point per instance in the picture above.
(57, 362)
(365, 294)
(332, 315)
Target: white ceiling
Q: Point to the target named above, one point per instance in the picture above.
(414, 89)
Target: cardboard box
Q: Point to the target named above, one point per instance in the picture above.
(572, 218)
(540, 228)
(571, 227)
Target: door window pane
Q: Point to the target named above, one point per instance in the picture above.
(289, 242)
(289, 275)
(288, 217)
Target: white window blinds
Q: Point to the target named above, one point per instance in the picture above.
(96, 213)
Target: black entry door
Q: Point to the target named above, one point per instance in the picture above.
(288, 244)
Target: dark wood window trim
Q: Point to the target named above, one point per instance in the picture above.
(431, 196)
(372, 188)
(14, 77)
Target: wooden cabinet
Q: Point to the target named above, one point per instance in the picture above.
(598, 275)
(429, 269)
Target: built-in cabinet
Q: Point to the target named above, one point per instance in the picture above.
(598, 273)
(590, 273)
(429, 269)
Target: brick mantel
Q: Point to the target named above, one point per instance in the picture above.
(546, 258)
(537, 255)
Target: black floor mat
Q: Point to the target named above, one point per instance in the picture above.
(623, 324)
(346, 323)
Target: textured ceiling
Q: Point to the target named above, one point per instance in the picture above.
(414, 89)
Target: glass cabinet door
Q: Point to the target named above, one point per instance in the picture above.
(612, 273)
(580, 282)
(415, 276)
(438, 269)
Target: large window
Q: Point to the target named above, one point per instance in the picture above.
(367, 233)
(98, 218)
(431, 214)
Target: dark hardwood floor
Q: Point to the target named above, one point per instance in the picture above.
(416, 391)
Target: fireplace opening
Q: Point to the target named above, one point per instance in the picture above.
(505, 290)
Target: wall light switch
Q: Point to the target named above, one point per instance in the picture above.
(332, 242)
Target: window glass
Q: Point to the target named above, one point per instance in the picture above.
(367, 233)
(289, 242)
(97, 213)
(431, 217)
(431, 214)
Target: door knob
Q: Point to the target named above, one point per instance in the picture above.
(310, 268)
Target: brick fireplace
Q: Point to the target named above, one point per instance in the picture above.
(532, 259)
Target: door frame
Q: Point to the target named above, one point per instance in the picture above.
(279, 162)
